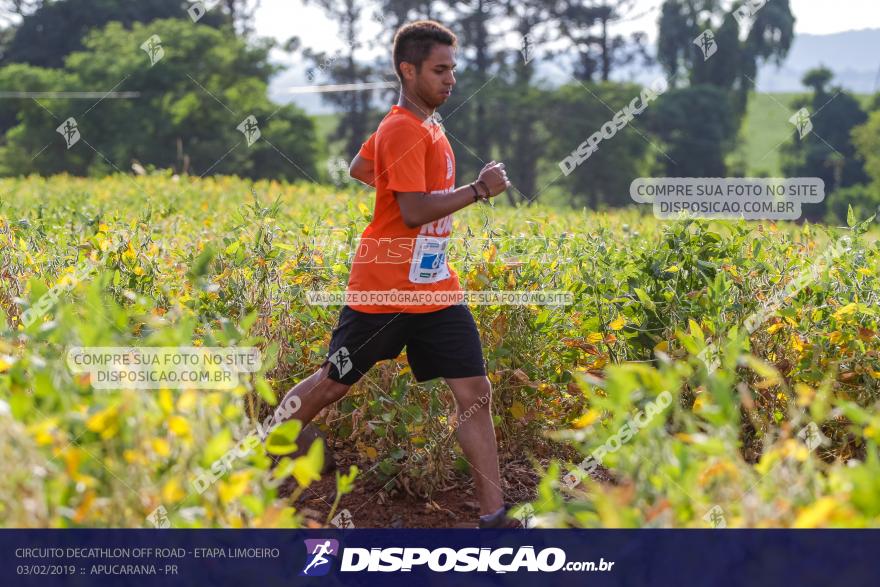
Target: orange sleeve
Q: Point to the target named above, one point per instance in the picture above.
(402, 152)
(368, 149)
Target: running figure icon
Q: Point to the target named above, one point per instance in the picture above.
(318, 553)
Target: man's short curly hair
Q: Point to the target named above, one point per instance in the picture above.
(413, 42)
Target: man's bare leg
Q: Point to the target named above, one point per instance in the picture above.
(476, 435)
(310, 396)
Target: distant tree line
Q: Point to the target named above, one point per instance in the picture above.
(215, 72)
(198, 80)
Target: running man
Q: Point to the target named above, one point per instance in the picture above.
(320, 559)
(411, 164)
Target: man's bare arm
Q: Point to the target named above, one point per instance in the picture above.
(362, 170)
(419, 208)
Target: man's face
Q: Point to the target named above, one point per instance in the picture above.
(434, 80)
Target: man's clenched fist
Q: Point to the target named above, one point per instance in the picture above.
(495, 178)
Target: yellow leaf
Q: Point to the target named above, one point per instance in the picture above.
(166, 401)
(489, 254)
(161, 447)
(595, 337)
(129, 252)
(104, 422)
(846, 310)
(587, 419)
(178, 426)
(6, 362)
(518, 410)
(43, 431)
(672, 269)
(72, 459)
(229, 490)
(371, 453)
(618, 323)
(817, 514)
(308, 468)
(775, 327)
(172, 491)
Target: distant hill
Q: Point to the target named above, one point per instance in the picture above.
(854, 56)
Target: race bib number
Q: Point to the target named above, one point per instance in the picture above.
(429, 260)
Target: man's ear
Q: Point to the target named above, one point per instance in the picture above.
(408, 70)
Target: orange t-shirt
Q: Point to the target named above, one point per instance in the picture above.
(408, 156)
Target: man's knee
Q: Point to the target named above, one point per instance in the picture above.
(476, 395)
(484, 392)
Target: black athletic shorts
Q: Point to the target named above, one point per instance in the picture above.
(444, 343)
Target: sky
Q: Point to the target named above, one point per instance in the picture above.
(283, 19)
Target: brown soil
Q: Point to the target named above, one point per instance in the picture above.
(375, 503)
